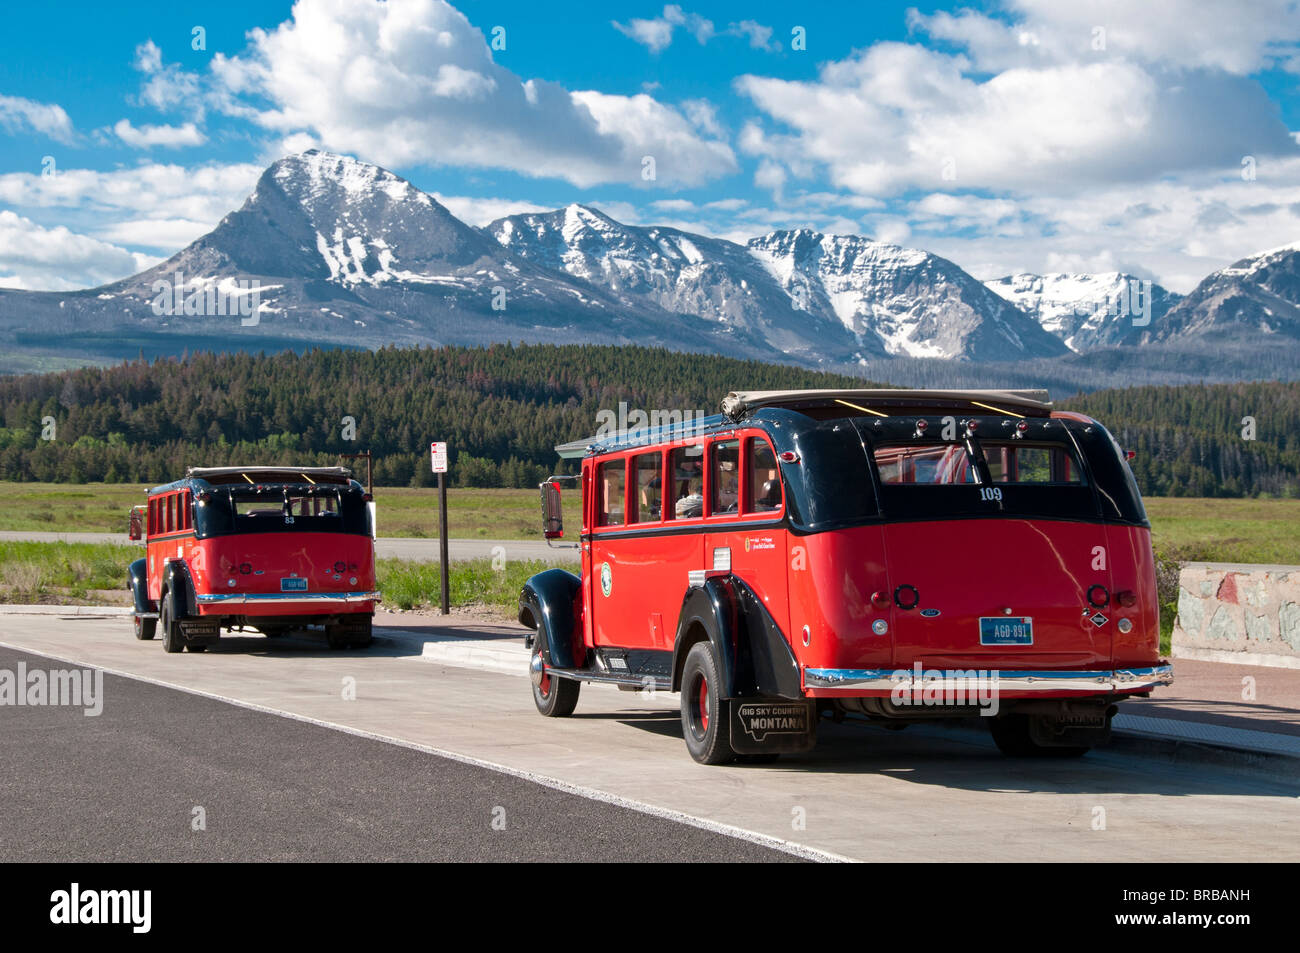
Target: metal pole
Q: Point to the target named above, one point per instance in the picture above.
(442, 540)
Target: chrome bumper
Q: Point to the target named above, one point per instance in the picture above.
(884, 679)
(264, 598)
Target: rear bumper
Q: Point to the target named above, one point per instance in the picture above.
(232, 601)
(883, 681)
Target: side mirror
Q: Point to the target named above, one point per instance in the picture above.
(135, 527)
(552, 515)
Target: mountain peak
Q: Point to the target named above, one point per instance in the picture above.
(315, 174)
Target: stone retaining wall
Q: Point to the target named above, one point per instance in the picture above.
(1239, 613)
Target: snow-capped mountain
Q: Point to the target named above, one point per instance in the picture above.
(1088, 310)
(1256, 298)
(904, 301)
(337, 251)
(680, 272)
(331, 251)
(839, 298)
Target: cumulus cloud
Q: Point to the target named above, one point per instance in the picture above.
(412, 82)
(898, 116)
(56, 259)
(169, 137)
(27, 115)
(158, 206)
(166, 86)
(759, 36)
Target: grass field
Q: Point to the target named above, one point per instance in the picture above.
(1249, 531)
(95, 574)
(399, 511)
(1183, 530)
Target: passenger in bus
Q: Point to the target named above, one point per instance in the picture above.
(688, 478)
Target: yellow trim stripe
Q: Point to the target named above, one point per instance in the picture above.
(245, 476)
(1009, 413)
(865, 410)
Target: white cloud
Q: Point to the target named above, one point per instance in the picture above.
(1220, 35)
(169, 137)
(759, 36)
(167, 87)
(21, 115)
(153, 205)
(56, 259)
(412, 82)
(481, 211)
(657, 34)
(900, 116)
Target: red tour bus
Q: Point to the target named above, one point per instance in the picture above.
(901, 555)
(265, 548)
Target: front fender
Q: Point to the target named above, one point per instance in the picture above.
(753, 656)
(546, 604)
(177, 580)
(137, 580)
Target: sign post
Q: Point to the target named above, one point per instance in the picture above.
(438, 455)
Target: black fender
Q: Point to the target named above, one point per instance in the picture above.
(546, 605)
(176, 580)
(754, 658)
(137, 580)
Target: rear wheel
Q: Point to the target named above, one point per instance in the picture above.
(1011, 735)
(173, 639)
(554, 697)
(706, 716)
(145, 629)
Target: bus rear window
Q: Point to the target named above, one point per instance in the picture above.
(1026, 463)
(949, 463)
(280, 509)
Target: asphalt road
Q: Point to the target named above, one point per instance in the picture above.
(276, 786)
(397, 547)
(125, 785)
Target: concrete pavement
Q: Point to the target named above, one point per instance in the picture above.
(864, 793)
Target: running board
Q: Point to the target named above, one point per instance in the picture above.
(609, 678)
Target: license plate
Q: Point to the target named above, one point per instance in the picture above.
(293, 584)
(1006, 630)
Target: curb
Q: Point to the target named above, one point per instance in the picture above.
(12, 609)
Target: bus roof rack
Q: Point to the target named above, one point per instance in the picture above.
(890, 401)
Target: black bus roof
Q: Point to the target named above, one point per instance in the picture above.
(737, 406)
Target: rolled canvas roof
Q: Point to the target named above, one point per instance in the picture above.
(270, 474)
(1036, 402)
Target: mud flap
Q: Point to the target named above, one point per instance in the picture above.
(1079, 728)
(772, 725)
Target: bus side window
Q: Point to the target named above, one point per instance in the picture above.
(171, 513)
(151, 518)
(764, 480)
(724, 484)
(686, 469)
(649, 469)
(611, 485)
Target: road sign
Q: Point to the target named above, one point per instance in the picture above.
(438, 454)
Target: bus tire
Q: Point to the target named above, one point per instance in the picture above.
(1011, 735)
(554, 697)
(145, 629)
(706, 716)
(173, 639)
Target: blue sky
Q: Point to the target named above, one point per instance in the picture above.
(1156, 138)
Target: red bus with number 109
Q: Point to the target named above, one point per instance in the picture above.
(874, 553)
